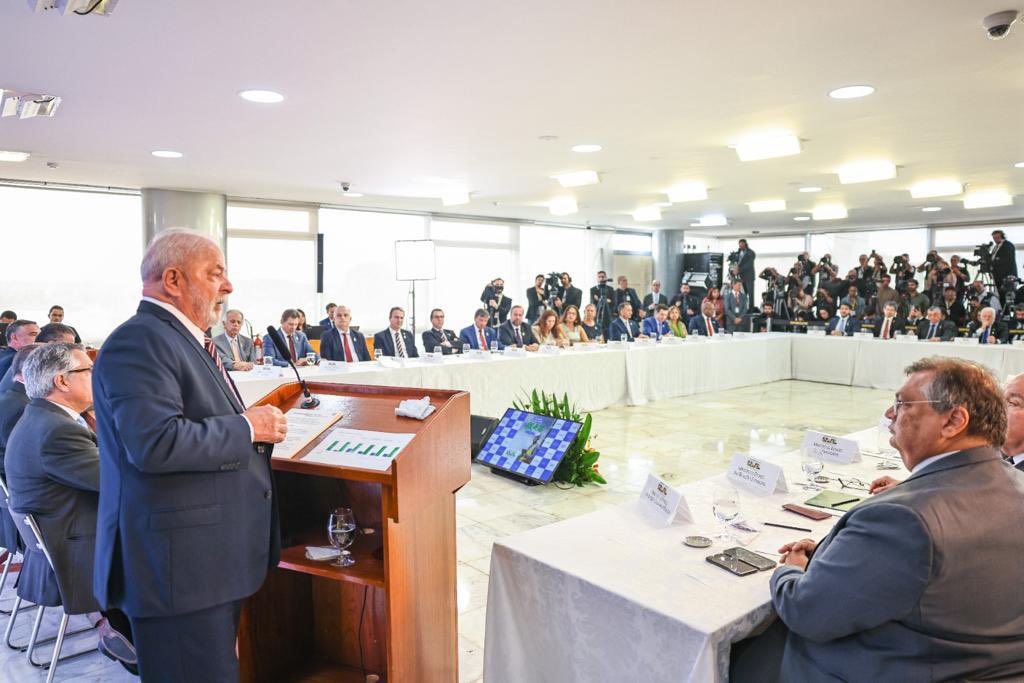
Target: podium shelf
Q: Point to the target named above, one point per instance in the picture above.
(329, 672)
(368, 569)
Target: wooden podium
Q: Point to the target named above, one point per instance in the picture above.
(394, 612)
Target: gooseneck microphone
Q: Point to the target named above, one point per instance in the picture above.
(275, 336)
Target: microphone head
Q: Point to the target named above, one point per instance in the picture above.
(278, 340)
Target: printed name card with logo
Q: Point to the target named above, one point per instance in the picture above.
(829, 448)
(663, 503)
(757, 476)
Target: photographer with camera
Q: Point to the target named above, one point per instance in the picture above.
(567, 294)
(745, 266)
(929, 262)
(1004, 260)
(537, 298)
(800, 304)
(824, 301)
(775, 290)
(498, 305)
(825, 270)
(901, 270)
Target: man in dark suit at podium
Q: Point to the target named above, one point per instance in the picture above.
(395, 341)
(437, 338)
(340, 342)
(187, 524)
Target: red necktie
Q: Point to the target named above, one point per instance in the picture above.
(483, 340)
(885, 329)
(291, 346)
(711, 330)
(348, 349)
(211, 349)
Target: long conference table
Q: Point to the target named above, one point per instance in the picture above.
(599, 376)
(611, 596)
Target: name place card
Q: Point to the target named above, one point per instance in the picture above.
(829, 448)
(757, 476)
(663, 503)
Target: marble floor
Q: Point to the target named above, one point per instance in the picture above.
(682, 440)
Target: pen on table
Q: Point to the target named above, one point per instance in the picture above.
(786, 526)
(844, 502)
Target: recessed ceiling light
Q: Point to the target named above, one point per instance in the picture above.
(1019, 164)
(866, 171)
(987, 198)
(801, 218)
(810, 188)
(768, 146)
(167, 154)
(577, 178)
(710, 220)
(829, 212)
(766, 205)
(687, 192)
(261, 96)
(455, 196)
(851, 92)
(13, 156)
(586, 149)
(563, 206)
(931, 209)
(936, 188)
(647, 213)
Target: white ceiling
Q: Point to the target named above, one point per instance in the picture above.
(382, 93)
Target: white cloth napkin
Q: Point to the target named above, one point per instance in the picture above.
(417, 409)
(320, 553)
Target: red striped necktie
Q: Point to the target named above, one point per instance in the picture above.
(211, 349)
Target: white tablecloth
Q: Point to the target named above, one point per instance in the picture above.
(608, 596)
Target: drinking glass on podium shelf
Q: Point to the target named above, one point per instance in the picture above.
(725, 504)
(341, 530)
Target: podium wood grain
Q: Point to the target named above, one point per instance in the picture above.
(394, 612)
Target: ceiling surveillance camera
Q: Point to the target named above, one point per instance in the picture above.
(345, 187)
(998, 25)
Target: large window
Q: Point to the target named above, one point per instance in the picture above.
(76, 249)
(271, 275)
(846, 247)
(359, 265)
(959, 238)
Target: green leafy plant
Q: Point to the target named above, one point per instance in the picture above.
(579, 466)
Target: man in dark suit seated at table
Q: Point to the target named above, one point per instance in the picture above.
(888, 325)
(988, 329)
(768, 321)
(187, 524)
(395, 341)
(329, 320)
(18, 334)
(514, 332)
(294, 340)
(341, 343)
(934, 328)
(705, 324)
(480, 336)
(656, 325)
(624, 326)
(237, 352)
(53, 473)
(844, 324)
(1015, 326)
(437, 338)
(56, 315)
(881, 597)
(12, 405)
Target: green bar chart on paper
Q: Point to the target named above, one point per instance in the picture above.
(358, 448)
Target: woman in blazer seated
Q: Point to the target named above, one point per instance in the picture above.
(675, 322)
(988, 330)
(547, 330)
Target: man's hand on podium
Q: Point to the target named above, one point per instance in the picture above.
(268, 424)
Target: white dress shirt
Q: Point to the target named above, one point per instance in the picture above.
(74, 416)
(199, 336)
(1017, 459)
(928, 461)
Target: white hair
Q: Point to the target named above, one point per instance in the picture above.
(45, 364)
(987, 309)
(173, 248)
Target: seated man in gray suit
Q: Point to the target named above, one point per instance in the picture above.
(53, 473)
(920, 582)
(236, 350)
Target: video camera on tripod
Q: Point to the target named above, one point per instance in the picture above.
(982, 258)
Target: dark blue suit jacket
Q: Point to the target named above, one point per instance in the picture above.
(652, 328)
(700, 328)
(332, 348)
(618, 328)
(468, 336)
(187, 515)
(6, 358)
(432, 339)
(12, 405)
(386, 343)
(302, 347)
(852, 325)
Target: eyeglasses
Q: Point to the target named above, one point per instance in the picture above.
(71, 372)
(899, 403)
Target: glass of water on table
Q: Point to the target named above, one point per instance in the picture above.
(725, 504)
(812, 467)
(341, 530)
